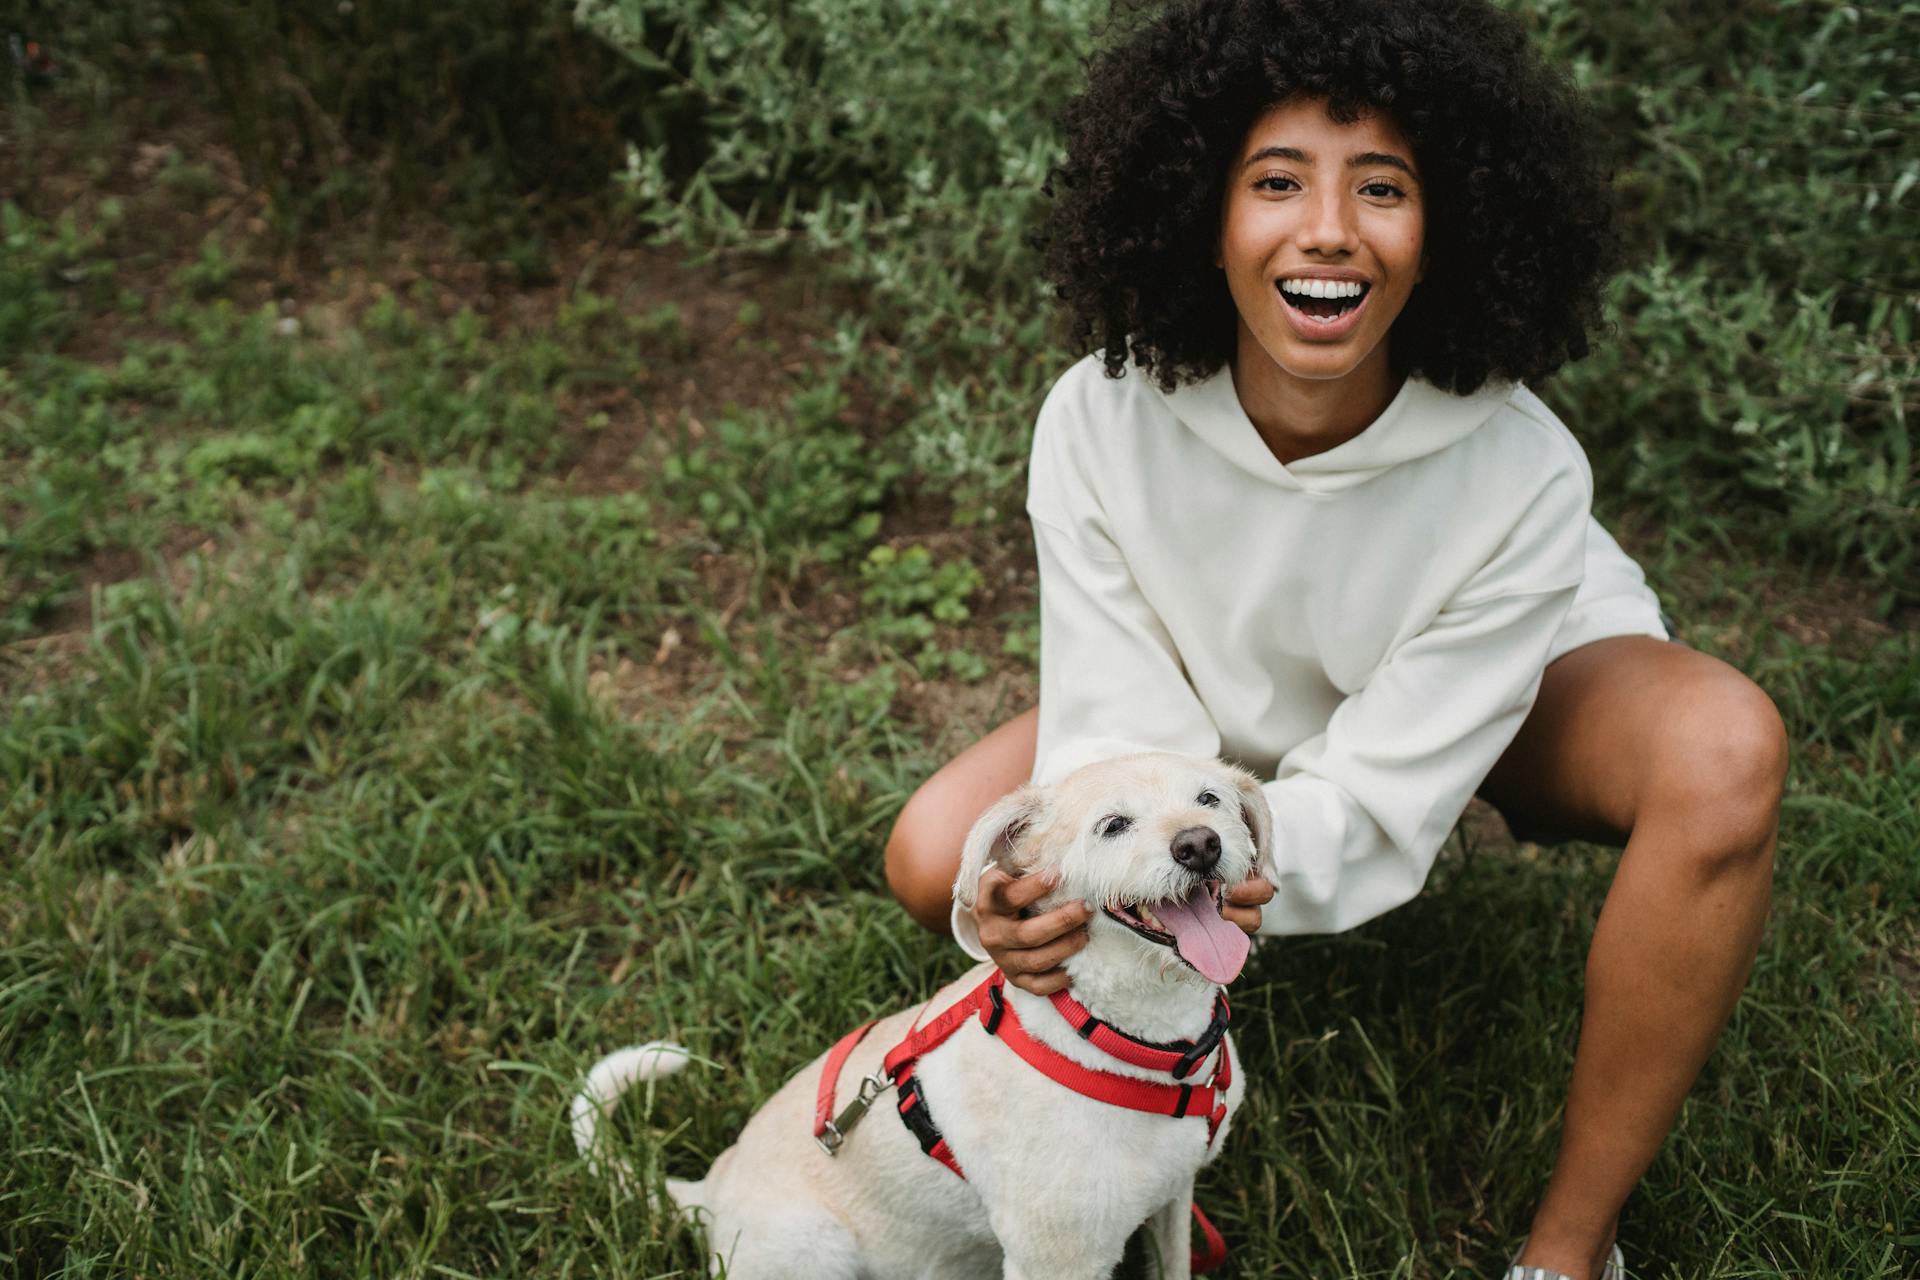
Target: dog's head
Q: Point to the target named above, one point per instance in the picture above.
(1150, 841)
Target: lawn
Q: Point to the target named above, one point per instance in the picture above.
(430, 658)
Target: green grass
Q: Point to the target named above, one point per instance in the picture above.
(396, 718)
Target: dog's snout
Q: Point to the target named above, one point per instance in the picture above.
(1197, 849)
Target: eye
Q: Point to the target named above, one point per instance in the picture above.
(1381, 190)
(1265, 184)
(1113, 824)
(1208, 799)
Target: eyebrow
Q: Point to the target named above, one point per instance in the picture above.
(1361, 160)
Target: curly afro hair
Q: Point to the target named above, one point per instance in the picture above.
(1521, 221)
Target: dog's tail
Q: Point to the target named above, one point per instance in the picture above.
(610, 1078)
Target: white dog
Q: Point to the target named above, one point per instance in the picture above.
(1052, 1179)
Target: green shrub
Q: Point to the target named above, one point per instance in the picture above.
(1762, 347)
(334, 106)
(1764, 343)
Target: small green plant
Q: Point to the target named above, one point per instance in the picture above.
(797, 483)
(39, 263)
(188, 180)
(1023, 636)
(209, 274)
(910, 597)
(623, 345)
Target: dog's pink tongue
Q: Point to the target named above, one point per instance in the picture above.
(1211, 944)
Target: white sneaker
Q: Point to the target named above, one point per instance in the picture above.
(1616, 1268)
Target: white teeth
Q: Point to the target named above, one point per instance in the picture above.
(1323, 288)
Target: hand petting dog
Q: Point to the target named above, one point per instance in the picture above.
(1030, 951)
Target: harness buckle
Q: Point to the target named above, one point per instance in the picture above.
(835, 1133)
(991, 1018)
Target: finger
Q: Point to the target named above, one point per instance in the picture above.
(992, 894)
(1010, 933)
(1042, 984)
(1024, 891)
(1254, 891)
(1245, 918)
(1056, 923)
(1038, 960)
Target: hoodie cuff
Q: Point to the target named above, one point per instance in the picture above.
(967, 933)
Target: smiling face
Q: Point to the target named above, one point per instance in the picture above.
(1322, 230)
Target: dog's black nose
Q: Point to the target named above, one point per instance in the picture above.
(1197, 849)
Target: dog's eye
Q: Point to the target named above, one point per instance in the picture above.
(1113, 824)
(1209, 799)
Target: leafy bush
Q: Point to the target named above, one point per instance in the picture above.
(1763, 346)
(905, 144)
(335, 105)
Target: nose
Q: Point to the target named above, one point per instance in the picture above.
(1197, 849)
(1327, 224)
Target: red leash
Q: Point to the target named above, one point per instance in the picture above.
(988, 1002)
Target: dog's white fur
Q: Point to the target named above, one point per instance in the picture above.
(1056, 1182)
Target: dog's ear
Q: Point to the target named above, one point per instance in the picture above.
(994, 837)
(1257, 814)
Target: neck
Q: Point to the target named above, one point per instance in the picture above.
(1299, 417)
(1146, 996)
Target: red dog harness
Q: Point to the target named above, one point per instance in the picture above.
(987, 1001)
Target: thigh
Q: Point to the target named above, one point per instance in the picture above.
(1607, 717)
(966, 786)
(923, 851)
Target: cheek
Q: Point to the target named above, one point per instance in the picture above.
(1400, 243)
(1245, 241)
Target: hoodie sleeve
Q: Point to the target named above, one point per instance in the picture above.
(1111, 681)
(1361, 809)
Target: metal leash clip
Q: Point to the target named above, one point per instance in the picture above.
(837, 1128)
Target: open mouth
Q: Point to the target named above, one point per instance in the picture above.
(1324, 301)
(1193, 929)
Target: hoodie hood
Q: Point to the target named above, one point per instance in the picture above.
(1421, 419)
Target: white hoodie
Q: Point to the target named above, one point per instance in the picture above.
(1366, 626)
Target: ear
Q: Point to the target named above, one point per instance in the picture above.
(1257, 814)
(994, 837)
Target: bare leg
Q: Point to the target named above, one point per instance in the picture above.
(1632, 741)
(1685, 758)
(923, 851)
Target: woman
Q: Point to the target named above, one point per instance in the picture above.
(1298, 509)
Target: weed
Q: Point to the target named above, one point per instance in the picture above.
(209, 274)
(792, 484)
(910, 596)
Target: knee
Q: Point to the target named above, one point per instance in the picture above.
(919, 872)
(1721, 770)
